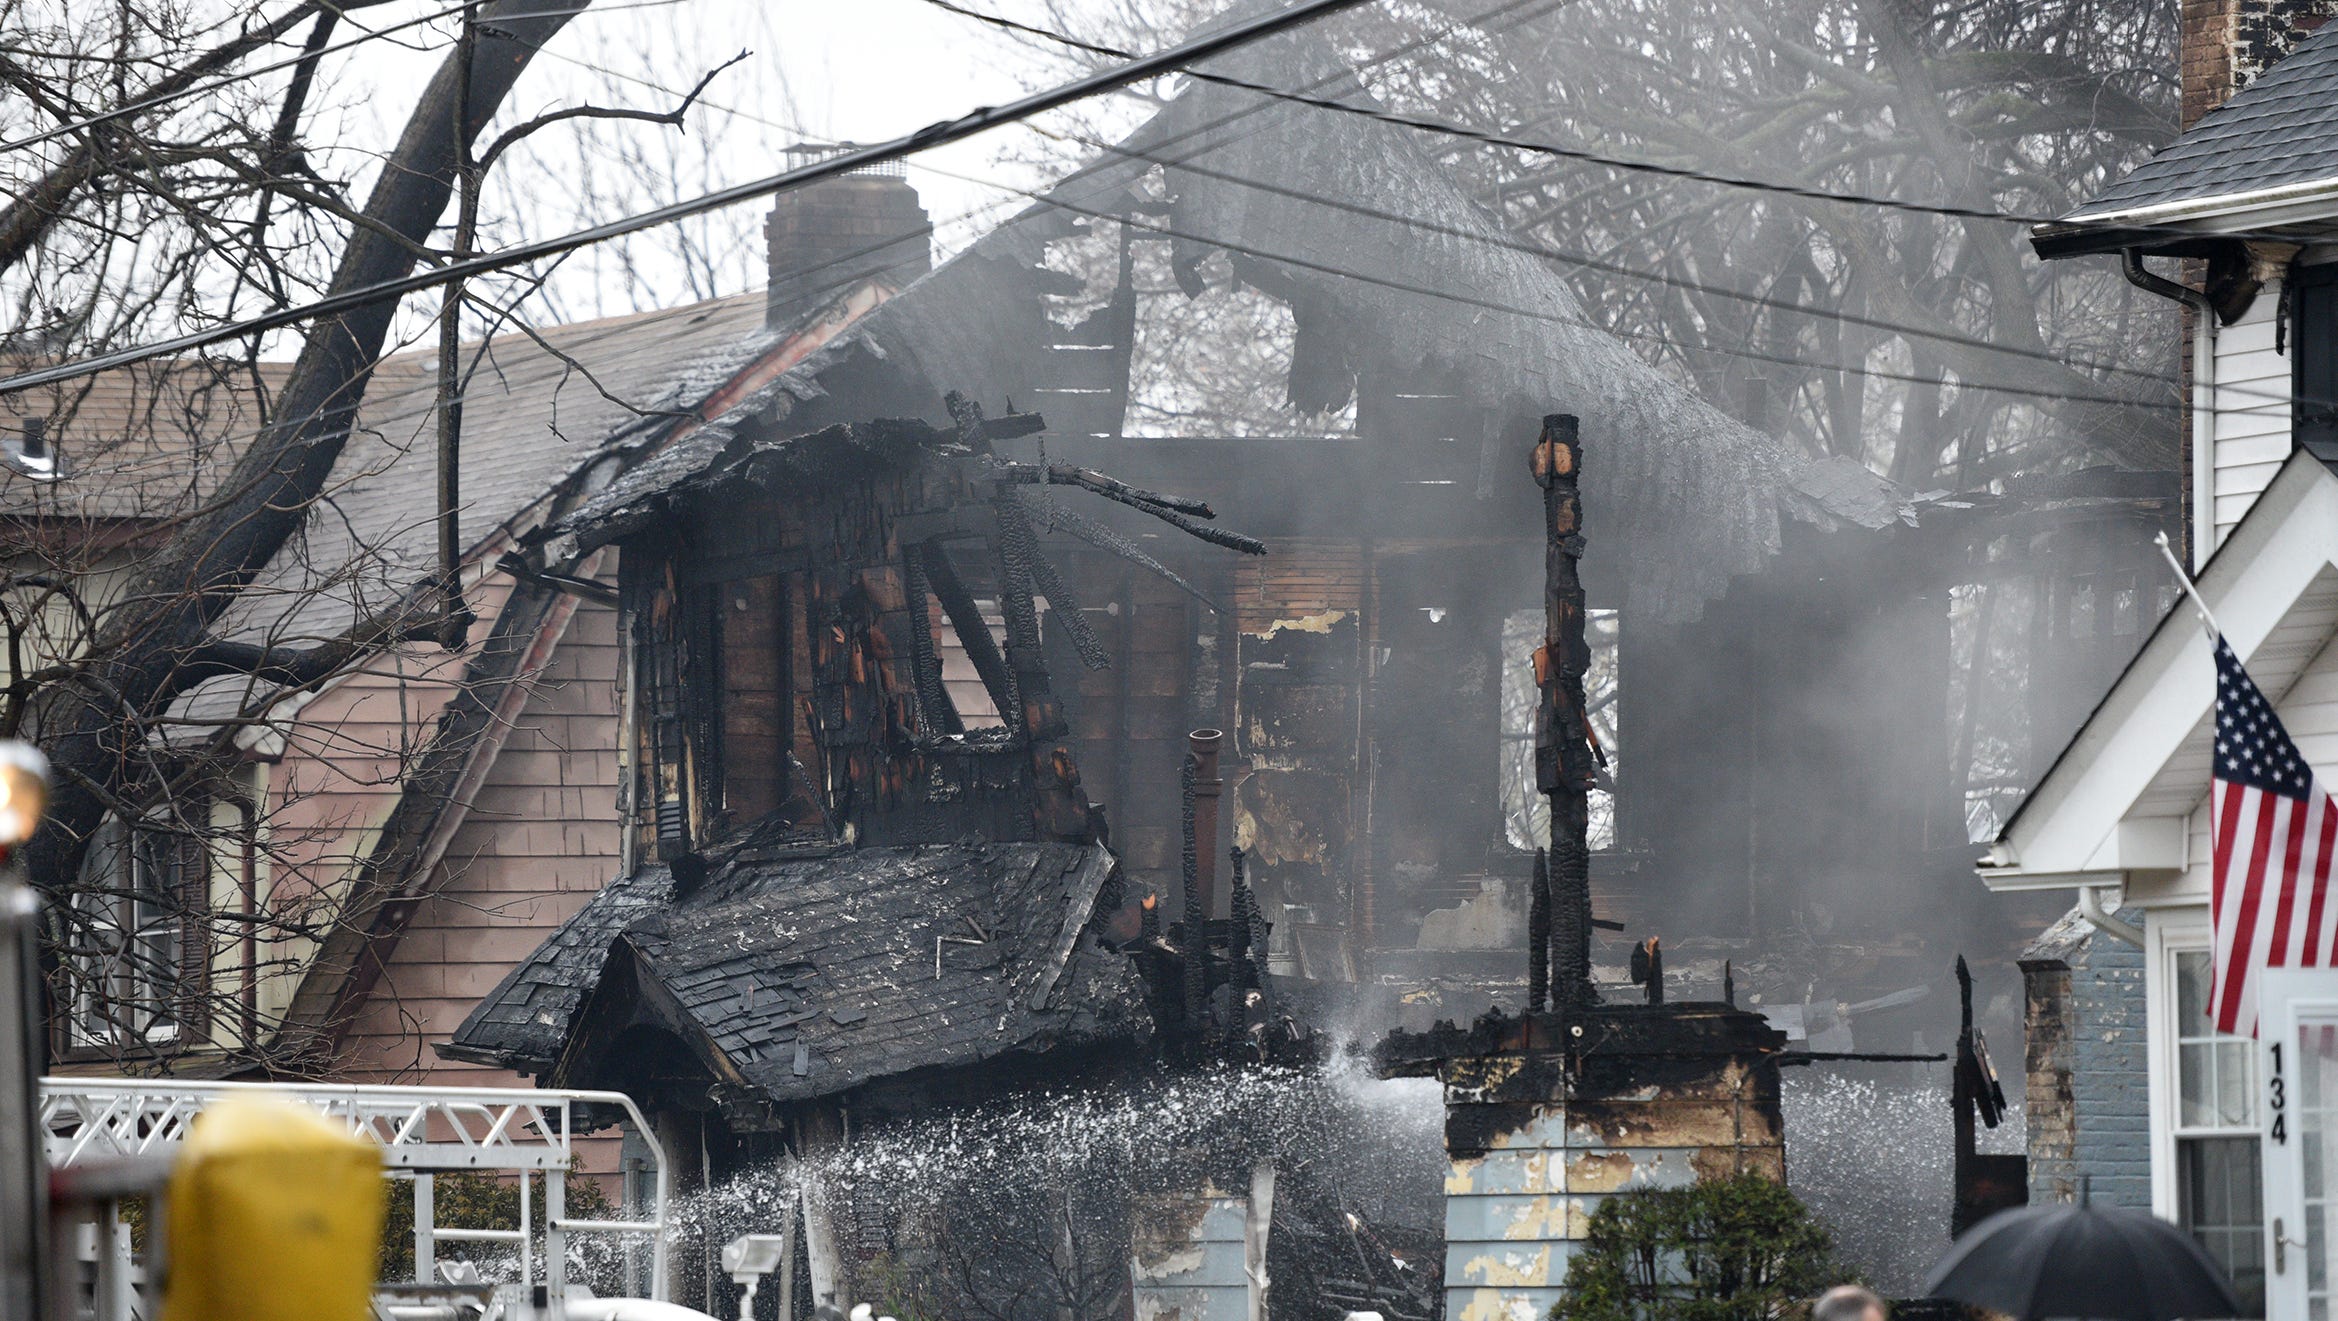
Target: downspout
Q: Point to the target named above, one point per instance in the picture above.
(2203, 452)
(2090, 907)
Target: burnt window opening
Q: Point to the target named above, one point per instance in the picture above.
(974, 671)
(752, 693)
(1526, 813)
(1262, 368)
(959, 676)
(677, 630)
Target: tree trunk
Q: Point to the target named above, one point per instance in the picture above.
(92, 728)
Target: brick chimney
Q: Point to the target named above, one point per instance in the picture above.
(825, 238)
(2225, 44)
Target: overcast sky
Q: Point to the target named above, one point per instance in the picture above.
(860, 71)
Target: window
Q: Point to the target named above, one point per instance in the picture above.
(1526, 813)
(2218, 1191)
(136, 955)
(959, 679)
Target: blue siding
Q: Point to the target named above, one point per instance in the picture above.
(2111, 1073)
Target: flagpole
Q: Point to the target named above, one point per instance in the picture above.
(2167, 552)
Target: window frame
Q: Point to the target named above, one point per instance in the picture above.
(2171, 934)
(115, 1004)
(2187, 1030)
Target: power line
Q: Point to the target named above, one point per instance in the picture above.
(1535, 249)
(1498, 305)
(1532, 248)
(143, 105)
(1510, 12)
(977, 121)
(1552, 149)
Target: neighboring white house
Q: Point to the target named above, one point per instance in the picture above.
(2240, 1133)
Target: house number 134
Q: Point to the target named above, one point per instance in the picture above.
(2276, 1099)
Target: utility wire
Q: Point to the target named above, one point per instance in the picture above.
(1501, 240)
(1498, 305)
(143, 105)
(1543, 251)
(1509, 12)
(1535, 249)
(1053, 198)
(1541, 148)
(979, 120)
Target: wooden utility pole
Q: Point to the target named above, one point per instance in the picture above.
(1565, 756)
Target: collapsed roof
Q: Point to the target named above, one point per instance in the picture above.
(794, 974)
(1387, 267)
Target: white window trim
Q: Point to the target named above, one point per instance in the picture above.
(2170, 932)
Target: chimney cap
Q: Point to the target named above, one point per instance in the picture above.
(812, 153)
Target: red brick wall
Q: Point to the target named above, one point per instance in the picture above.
(2225, 44)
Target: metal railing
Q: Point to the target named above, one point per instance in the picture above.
(90, 1124)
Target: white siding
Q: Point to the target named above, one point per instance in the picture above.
(2252, 409)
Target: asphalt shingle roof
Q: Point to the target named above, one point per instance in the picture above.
(2280, 129)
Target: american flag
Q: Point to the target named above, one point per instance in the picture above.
(2272, 830)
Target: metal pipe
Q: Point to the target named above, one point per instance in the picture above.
(485, 1235)
(555, 1242)
(2203, 449)
(24, 1211)
(425, 1227)
(1203, 744)
(2090, 907)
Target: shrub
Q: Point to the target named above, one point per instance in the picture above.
(1732, 1249)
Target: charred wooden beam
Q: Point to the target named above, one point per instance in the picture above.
(1538, 936)
(936, 711)
(1178, 512)
(1104, 538)
(1565, 761)
(1984, 1183)
(1017, 551)
(1067, 474)
(1065, 606)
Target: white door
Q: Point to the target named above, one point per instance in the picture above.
(2297, 1045)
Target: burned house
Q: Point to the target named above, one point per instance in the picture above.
(845, 893)
(812, 817)
(1368, 664)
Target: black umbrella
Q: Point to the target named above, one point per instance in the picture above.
(2068, 1260)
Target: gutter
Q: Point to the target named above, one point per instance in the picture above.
(2223, 207)
(2002, 859)
(2191, 226)
(2202, 534)
(2090, 907)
